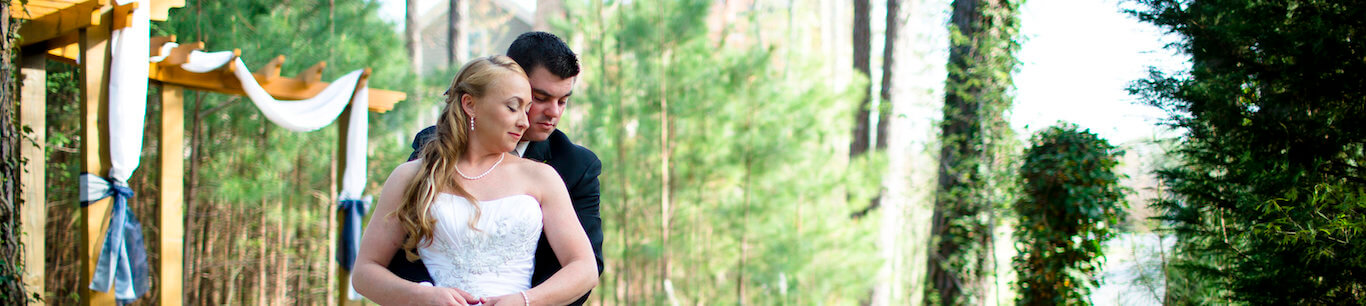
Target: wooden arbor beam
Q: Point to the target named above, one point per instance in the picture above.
(303, 86)
(51, 19)
(306, 84)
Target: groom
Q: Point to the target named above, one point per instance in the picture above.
(552, 69)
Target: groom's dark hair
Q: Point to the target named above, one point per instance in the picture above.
(541, 49)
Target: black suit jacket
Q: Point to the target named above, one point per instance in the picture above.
(578, 168)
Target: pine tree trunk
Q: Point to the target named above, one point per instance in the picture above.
(958, 154)
(748, 193)
(229, 261)
(281, 258)
(979, 63)
(665, 190)
(453, 33)
(200, 254)
(547, 10)
(413, 35)
(629, 274)
(863, 64)
(192, 246)
(894, 24)
(11, 167)
(262, 297)
(892, 233)
(207, 270)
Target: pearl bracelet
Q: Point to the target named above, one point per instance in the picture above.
(525, 298)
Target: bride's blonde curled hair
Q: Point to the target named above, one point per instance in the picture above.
(442, 150)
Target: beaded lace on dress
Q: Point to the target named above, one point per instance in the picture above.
(495, 260)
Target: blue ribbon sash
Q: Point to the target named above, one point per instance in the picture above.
(353, 214)
(123, 256)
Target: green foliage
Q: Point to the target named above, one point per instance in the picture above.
(1071, 204)
(1268, 203)
(62, 168)
(750, 165)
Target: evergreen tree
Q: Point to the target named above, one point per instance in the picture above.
(1269, 198)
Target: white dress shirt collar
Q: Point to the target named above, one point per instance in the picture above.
(521, 148)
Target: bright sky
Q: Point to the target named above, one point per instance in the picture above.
(1077, 60)
(392, 11)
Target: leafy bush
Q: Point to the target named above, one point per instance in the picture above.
(1071, 205)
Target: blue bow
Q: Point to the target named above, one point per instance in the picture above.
(353, 213)
(123, 257)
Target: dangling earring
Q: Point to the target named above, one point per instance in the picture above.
(471, 124)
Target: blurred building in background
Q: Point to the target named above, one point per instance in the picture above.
(486, 27)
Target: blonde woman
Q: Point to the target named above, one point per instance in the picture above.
(472, 212)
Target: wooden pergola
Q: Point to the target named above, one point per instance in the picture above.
(78, 32)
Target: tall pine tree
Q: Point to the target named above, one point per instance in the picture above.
(973, 134)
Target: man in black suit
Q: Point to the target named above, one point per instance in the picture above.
(552, 69)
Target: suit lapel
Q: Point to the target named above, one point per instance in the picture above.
(538, 151)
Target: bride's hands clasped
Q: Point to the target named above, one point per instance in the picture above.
(515, 299)
(445, 297)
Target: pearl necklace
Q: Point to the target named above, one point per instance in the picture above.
(490, 170)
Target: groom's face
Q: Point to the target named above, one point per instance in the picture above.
(549, 95)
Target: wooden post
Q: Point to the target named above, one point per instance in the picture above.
(32, 112)
(343, 126)
(170, 218)
(94, 84)
(343, 280)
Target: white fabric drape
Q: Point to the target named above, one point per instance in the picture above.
(92, 188)
(197, 61)
(128, 91)
(164, 50)
(302, 115)
(353, 178)
(201, 62)
(305, 115)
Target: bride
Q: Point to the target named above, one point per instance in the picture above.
(473, 213)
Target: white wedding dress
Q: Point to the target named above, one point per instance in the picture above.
(495, 260)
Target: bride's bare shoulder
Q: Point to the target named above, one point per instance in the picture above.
(405, 171)
(535, 171)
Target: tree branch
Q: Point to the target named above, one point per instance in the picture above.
(225, 104)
